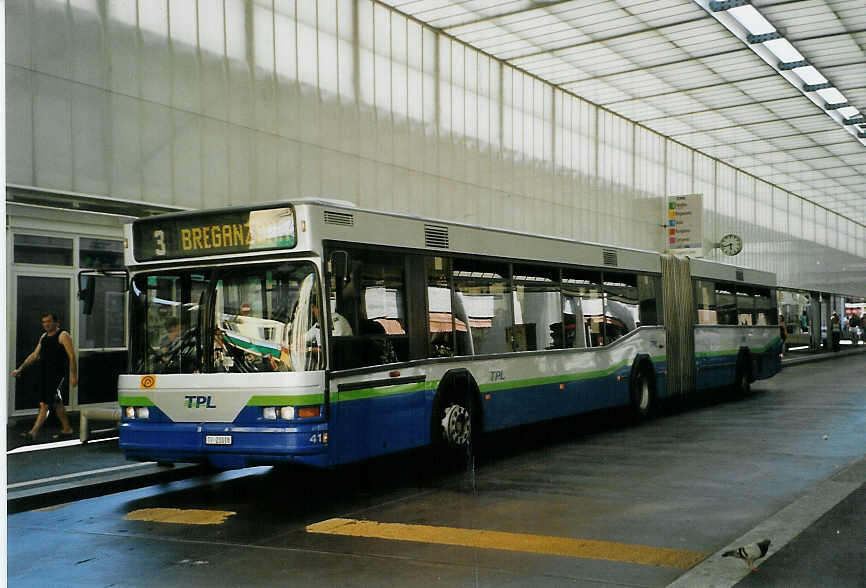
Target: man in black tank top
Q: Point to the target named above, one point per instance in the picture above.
(56, 356)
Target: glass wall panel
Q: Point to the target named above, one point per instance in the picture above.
(205, 91)
(42, 250)
(94, 253)
(680, 169)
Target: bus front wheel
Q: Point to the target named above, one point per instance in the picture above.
(453, 434)
(457, 425)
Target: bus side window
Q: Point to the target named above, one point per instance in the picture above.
(537, 309)
(765, 307)
(726, 305)
(444, 329)
(368, 316)
(648, 289)
(481, 294)
(581, 308)
(745, 306)
(705, 302)
(621, 305)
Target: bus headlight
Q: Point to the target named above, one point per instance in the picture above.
(130, 412)
(142, 412)
(287, 413)
(270, 413)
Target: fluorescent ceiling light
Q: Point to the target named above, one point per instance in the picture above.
(849, 112)
(754, 21)
(810, 75)
(832, 96)
(783, 49)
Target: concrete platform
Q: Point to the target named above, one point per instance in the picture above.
(692, 482)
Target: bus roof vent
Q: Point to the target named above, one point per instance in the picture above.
(339, 218)
(740, 276)
(436, 236)
(609, 257)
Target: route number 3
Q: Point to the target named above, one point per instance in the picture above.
(159, 236)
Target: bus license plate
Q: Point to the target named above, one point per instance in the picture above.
(218, 440)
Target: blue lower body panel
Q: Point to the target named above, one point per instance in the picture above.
(721, 371)
(519, 406)
(250, 444)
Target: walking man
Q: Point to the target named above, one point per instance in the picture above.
(56, 356)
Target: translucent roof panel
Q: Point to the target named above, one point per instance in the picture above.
(673, 67)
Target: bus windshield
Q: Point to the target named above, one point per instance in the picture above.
(260, 318)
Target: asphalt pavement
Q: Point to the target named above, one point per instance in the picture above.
(53, 471)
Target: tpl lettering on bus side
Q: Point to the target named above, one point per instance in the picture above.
(497, 376)
(199, 402)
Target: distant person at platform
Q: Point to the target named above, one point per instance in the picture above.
(783, 333)
(835, 330)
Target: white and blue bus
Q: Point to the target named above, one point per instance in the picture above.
(321, 333)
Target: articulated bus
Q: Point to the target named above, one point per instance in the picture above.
(320, 333)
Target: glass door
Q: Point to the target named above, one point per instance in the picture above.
(35, 296)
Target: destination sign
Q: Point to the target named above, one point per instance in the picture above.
(216, 233)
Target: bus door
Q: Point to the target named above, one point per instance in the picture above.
(377, 407)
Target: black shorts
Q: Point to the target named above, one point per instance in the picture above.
(52, 389)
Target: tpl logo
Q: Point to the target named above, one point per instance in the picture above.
(198, 401)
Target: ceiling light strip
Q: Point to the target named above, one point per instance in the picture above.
(747, 23)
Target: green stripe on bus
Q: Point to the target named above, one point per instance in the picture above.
(725, 352)
(500, 386)
(380, 391)
(300, 400)
(497, 387)
(134, 401)
(772, 343)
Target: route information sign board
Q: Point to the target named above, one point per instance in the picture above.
(683, 223)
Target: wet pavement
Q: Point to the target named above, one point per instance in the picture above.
(689, 484)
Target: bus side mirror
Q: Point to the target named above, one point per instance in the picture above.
(338, 264)
(86, 292)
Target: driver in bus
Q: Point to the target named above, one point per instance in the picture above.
(340, 327)
(168, 339)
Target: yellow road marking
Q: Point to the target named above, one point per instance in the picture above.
(180, 516)
(543, 544)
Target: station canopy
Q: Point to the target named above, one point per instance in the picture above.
(776, 88)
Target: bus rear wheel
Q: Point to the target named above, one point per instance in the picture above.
(742, 386)
(641, 396)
